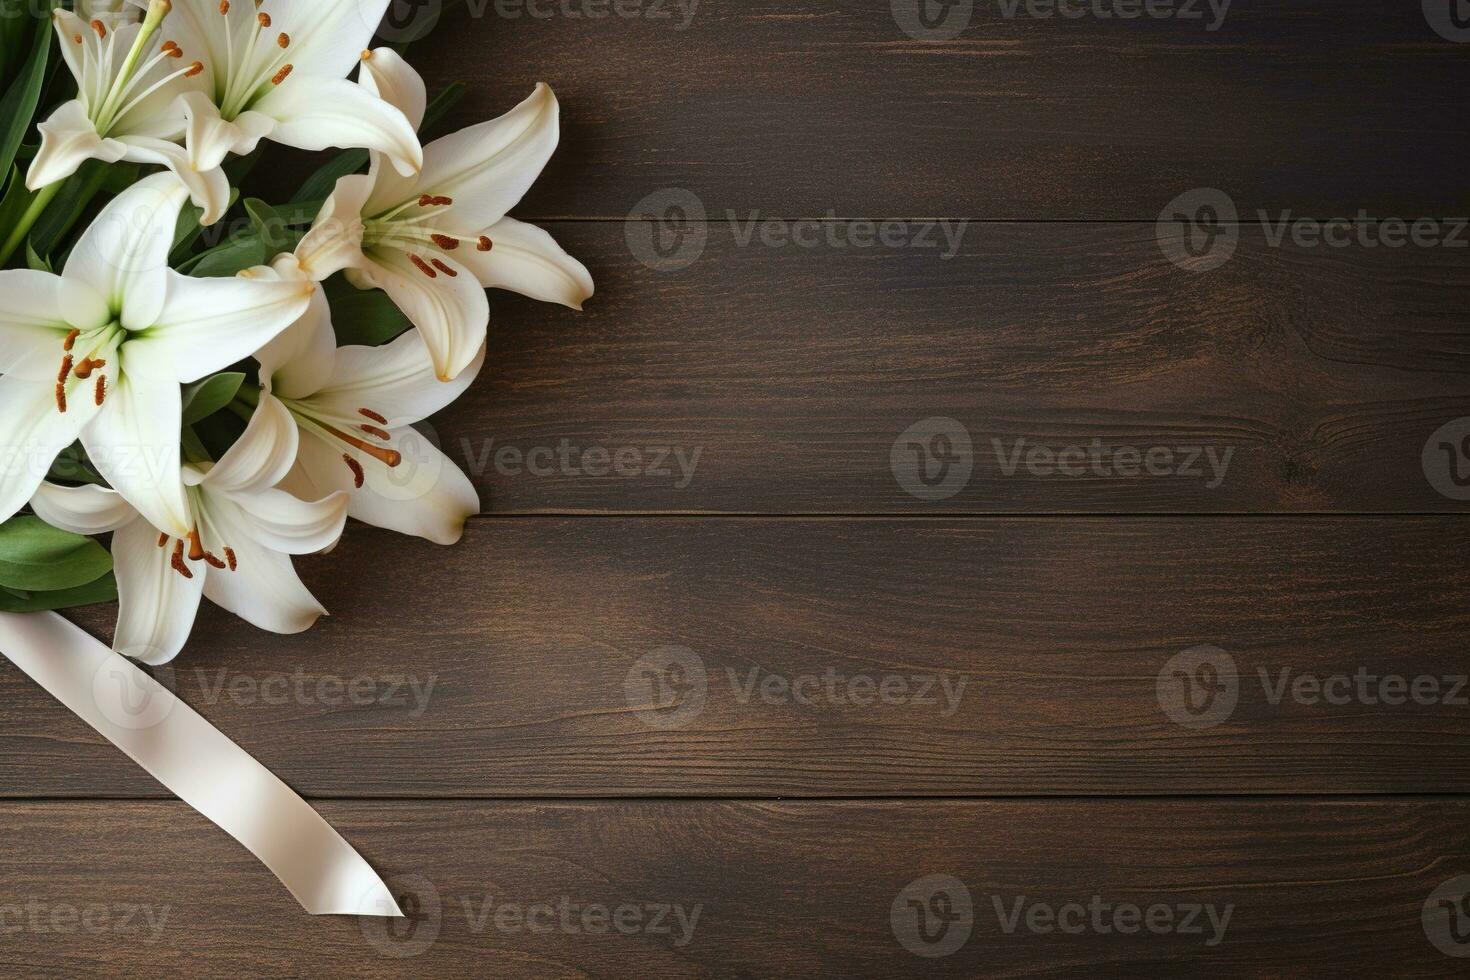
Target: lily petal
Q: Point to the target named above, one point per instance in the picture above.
(396, 380)
(334, 242)
(264, 590)
(156, 604)
(123, 254)
(82, 510)
(32, 325)
(208, 324)
(426, 495)
(261, 457)
(68, 139)
(210, 137)
(318, 113)
(327, 36)
(281, 522)
(488, 168)
(450, 311)
(300, 360)
(35, 432)
(388, 76)
(527, 260)
(208, 189)
(134, 443)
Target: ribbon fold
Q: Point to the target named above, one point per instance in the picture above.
(198, 763)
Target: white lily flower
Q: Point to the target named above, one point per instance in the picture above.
(98, 353)
(112, 13)
(126, 106)
(435, 242)
(238, 553)
(278, 70)
(355, 408)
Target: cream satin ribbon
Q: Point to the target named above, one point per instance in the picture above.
(191, 758)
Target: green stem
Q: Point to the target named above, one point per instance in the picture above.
(32, 214)
(249, 394)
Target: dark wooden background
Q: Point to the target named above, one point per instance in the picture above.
(509, 755)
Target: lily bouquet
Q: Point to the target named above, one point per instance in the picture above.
(219, 403)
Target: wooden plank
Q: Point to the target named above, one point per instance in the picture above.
(971, 657)
(744, 889)
(797, 107)
(778, 380)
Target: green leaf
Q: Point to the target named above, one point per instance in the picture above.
(37, 557)
(322, 183)
(365, 317)
(188, 231)
(103, 589)
(35, 261)
(72, 203)
(72, 466)
(19, 103)
(268, 224)
(228, 258)
(203, 398)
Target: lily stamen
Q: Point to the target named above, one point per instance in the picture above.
(388, 457)
(100, 391)
(376, 432)
(423, 266)
(230, 558)
(358, 476)
(177, 562)
(369, 413)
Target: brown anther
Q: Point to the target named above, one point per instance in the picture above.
(425, 200)
(77, 38)
(485, 244)
(99, 392)
(283, 74)
(358, 476)
(230, 557)
(376, 432)
(382, 454)
(87, 366)
(194, 69)
(196, 548)
(70, 340)
(100, 28)
(283, 40)
(224, 7)
(171, 49)
(367, 55)
(423, 267)
(439, 264)
(162, 538)
(370, 414)
(431, 201)
(178, 560)
(212, 561)
(65, 370)
(264, 19)
(60, 397)
(445, 242)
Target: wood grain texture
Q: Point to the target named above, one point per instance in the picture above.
(532, 661)
(801, 106)
(1316, 374)
(778, 889)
